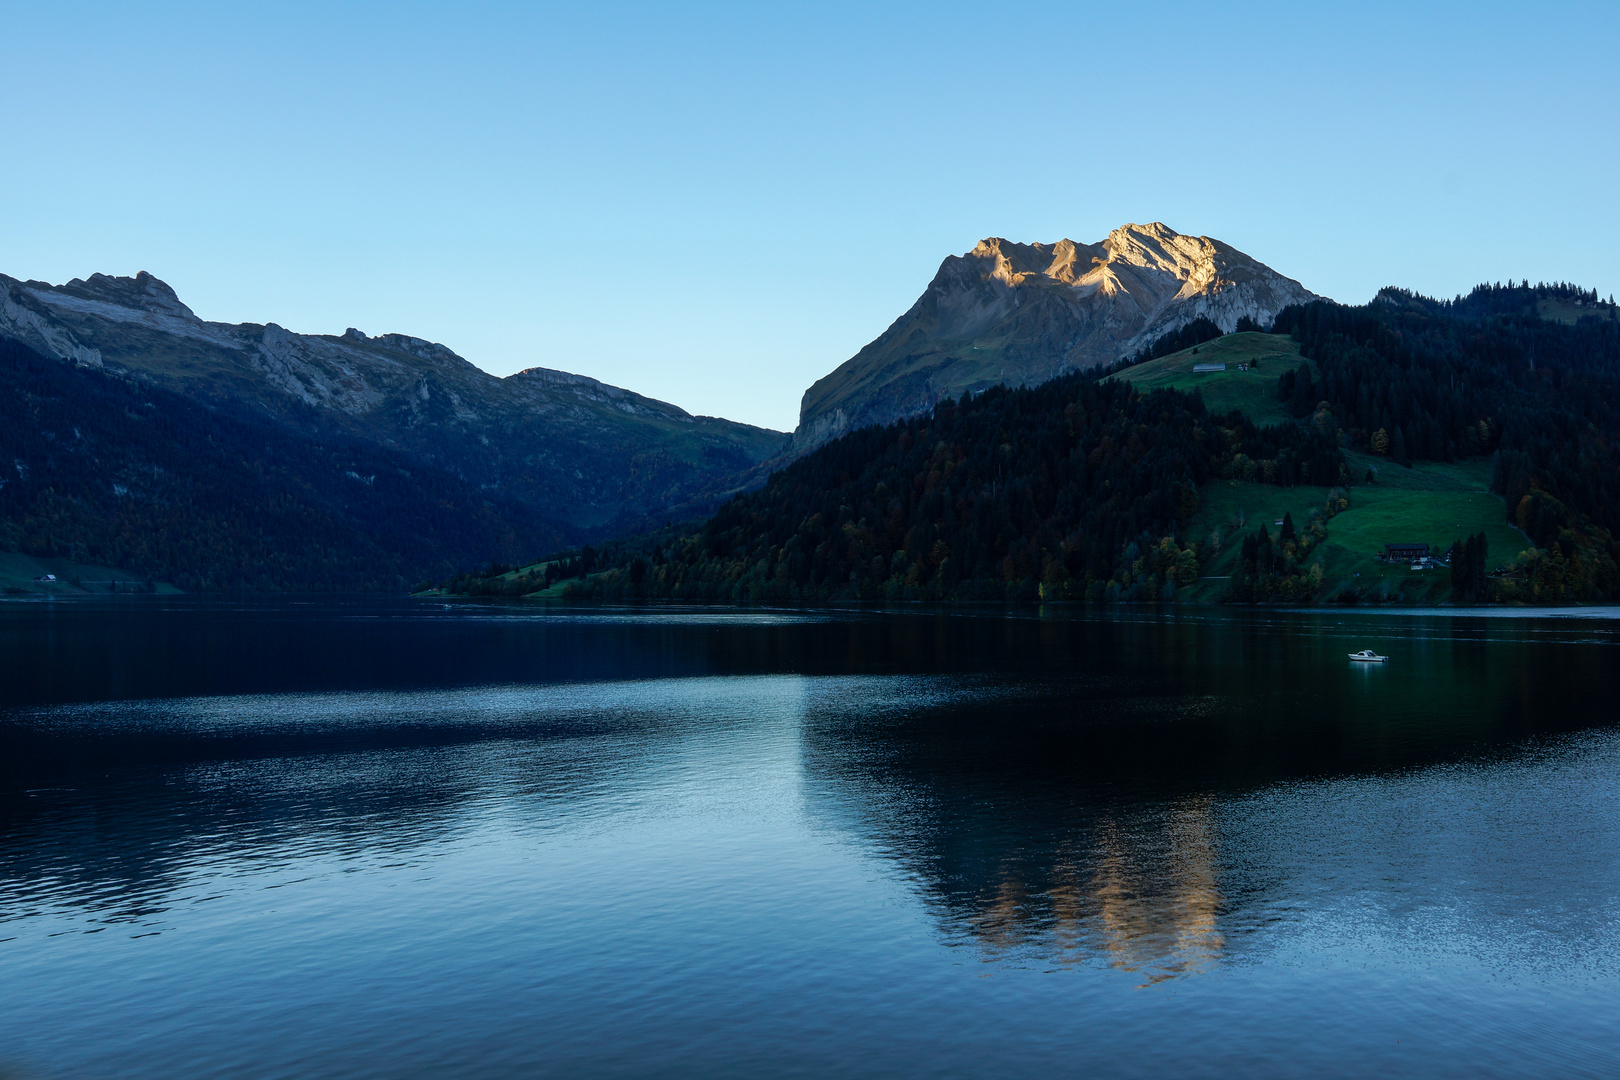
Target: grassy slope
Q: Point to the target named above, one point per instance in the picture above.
(18, 571)
(1431, 503)
(1252, 392)
(555, 592)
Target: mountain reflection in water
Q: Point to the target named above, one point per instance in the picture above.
(382, 839)
(1140, 894)
(1028, 864)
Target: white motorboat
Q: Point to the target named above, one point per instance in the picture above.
(1369, 656)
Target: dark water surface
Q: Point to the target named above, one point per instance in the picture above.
(387, 839)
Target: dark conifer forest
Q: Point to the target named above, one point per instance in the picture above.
(1417, 379)
(1081, 488)
(1194, 333)
(1075, 489)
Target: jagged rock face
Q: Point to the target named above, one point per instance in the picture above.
(1023, 313)
(581, 451)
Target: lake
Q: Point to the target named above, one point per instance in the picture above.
(385, 838)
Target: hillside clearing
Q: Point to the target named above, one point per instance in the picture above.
(1431, 503)
(19, 575)
(1252, 392)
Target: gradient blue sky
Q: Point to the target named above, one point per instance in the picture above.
(716, 205)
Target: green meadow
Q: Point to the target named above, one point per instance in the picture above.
(1435, 504)
(1252, 392)
(1430, 503)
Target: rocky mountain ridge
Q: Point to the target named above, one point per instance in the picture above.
(1020, 314)
(583, 452)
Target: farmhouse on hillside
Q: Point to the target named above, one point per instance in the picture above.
(1406, 552)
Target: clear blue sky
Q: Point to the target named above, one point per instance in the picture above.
(716, 205)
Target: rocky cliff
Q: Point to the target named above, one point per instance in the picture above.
(1023, 313)
(579, 450)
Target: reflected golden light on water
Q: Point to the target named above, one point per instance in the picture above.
(1140, 894)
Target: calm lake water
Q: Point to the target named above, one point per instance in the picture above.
(389, 839)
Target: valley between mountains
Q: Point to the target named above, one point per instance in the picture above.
(1152, 417)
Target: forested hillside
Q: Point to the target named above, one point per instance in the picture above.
(1091, 487)
(106, 470)
(1413, 379)
(1409, 409)
(1078, 488)
(569, 447)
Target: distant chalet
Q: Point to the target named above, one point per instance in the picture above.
(1406, 552)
